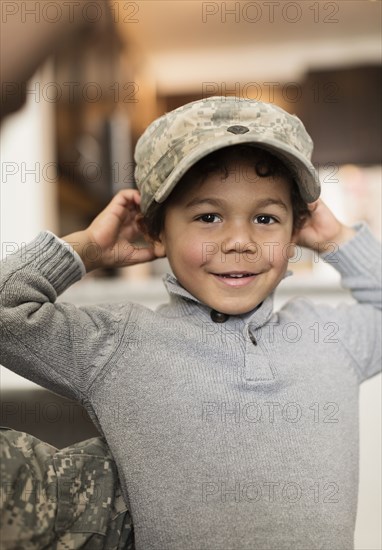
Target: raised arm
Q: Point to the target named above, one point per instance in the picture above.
(54, 344)
(356, 254)
(352, 251)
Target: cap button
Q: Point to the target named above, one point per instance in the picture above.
(237, 129)
(218, 317)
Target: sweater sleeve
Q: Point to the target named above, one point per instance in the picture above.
(359, 262)
(57, 345)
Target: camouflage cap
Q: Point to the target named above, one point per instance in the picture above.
(173, 143)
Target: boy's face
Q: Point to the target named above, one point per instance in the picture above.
(220, 227)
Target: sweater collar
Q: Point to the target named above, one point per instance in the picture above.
(187, 304)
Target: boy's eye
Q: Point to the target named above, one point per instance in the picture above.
(265, 220)
(209, 218)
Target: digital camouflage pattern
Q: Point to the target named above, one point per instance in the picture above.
(60, 499)
(173, 143)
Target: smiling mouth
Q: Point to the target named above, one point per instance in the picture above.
(235, 274)
(235, 279)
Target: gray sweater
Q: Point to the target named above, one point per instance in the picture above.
(234, 435)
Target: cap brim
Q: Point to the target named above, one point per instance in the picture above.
(305, 174)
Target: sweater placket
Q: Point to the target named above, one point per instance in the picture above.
(257, 365)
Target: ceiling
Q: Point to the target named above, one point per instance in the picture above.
(190, 42)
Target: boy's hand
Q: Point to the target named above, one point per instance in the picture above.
(108, 241)
(322, 229)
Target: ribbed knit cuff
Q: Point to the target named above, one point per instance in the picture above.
(71, 249)
(358, 255)
(54, 259)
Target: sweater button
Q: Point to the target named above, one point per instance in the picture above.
(218, 317)
(252, 338)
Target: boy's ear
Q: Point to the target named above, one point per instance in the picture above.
(291, 249)
(159, 248)
(157, 244)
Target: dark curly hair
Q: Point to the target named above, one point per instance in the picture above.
(265, 164)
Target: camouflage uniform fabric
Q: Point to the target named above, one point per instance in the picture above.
(60, 499)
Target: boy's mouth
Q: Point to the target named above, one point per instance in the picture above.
(234, 275)
(235, 278)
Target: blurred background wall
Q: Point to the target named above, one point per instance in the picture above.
(70, 148)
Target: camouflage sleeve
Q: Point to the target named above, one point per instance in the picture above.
(56, 499)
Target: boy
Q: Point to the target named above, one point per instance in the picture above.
(227, 432)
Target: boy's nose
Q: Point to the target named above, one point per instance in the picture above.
(239, 247)
(238, 238)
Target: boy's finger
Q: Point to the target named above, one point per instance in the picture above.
(126, 195)
(141, 255)
(124, 203)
